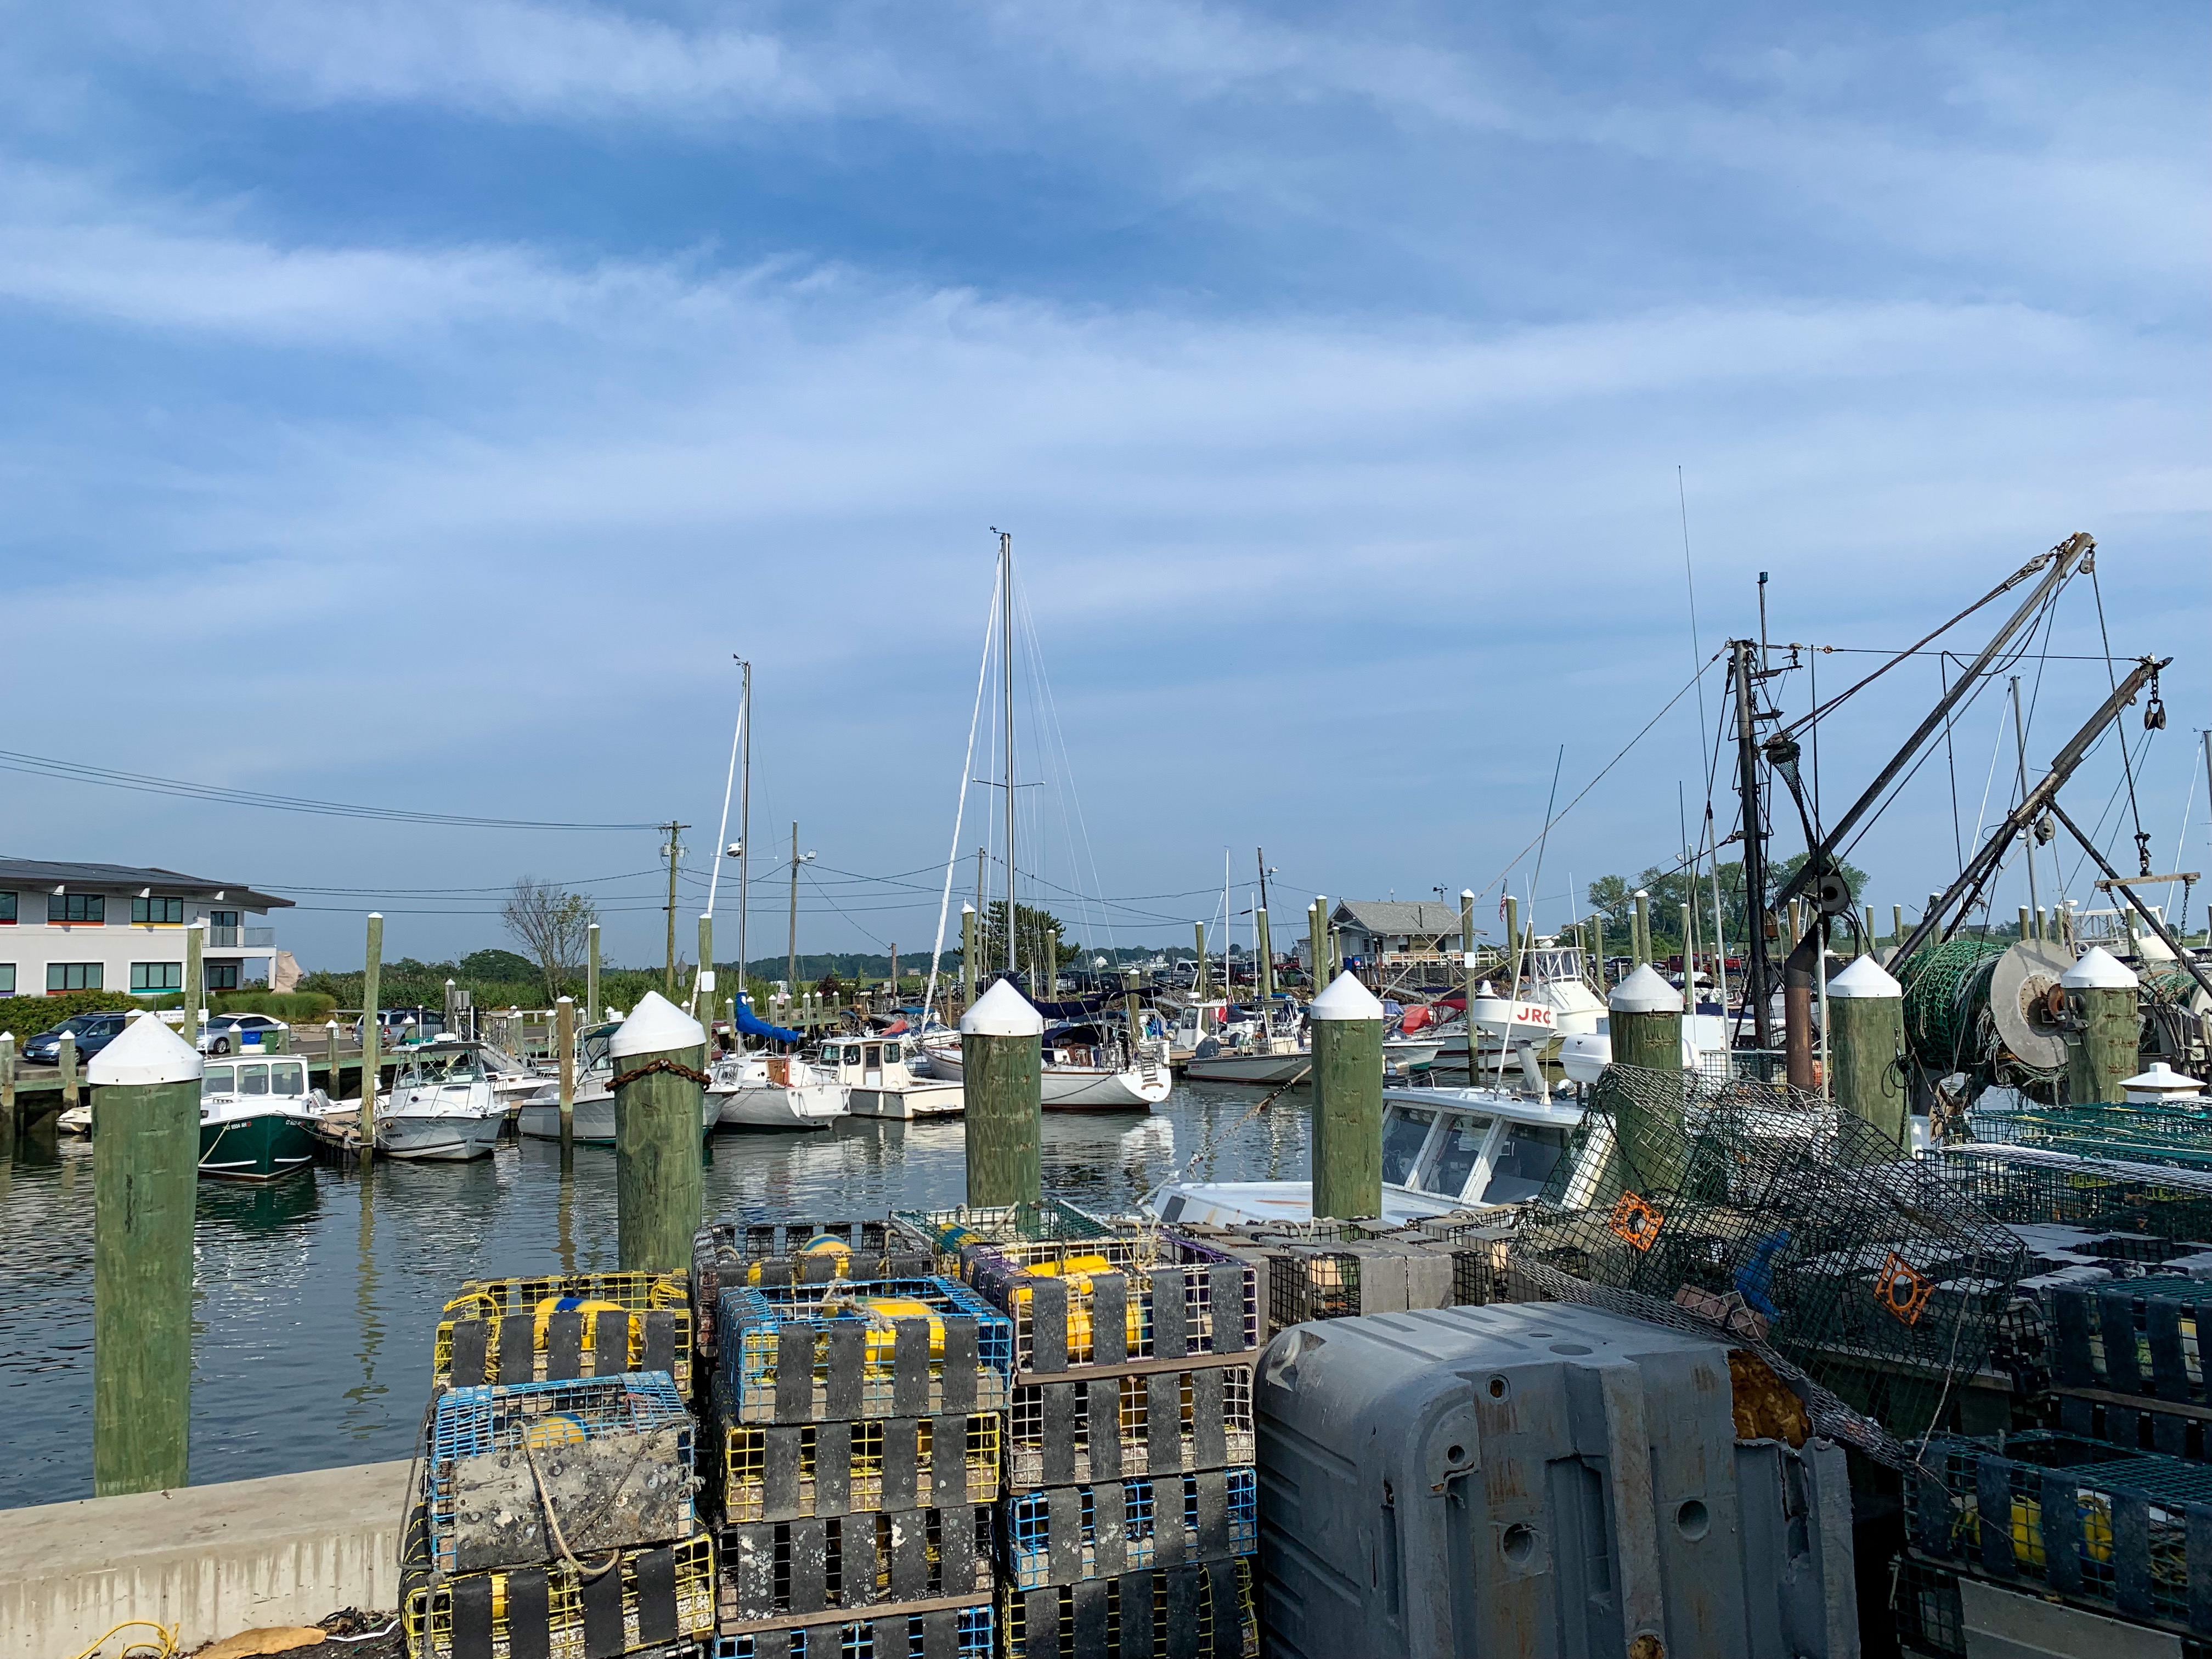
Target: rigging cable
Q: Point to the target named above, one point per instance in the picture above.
(2142, 841)
(959, 811)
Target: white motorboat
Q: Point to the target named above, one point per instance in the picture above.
(877, 1075)
(442, 1107)
(1705, 1048)
(538, 1116)
(1247, 1052)
(774, 1092)
(1086, 1068)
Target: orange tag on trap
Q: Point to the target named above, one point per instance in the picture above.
(1902, 1289)
(1636, 1221)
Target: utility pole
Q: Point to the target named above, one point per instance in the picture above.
(791, 945)
(1758, 980)
(672, 850)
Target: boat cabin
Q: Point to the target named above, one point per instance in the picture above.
(873, 1062)
(284, 1082)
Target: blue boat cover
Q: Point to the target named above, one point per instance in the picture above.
(753, 1025)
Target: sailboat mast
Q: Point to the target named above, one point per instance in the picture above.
(744, 827)
(1007, 686)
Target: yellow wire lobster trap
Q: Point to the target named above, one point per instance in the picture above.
(564, 1326)
(786, 1472)
(652, 1599)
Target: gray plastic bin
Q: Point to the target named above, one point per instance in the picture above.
(1545, 1481)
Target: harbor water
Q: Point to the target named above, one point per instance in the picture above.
(316, 1298)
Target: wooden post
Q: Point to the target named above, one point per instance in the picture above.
(145, 1156)
(1896, 928)
(65, 1062)
(1468, 981)
(1689, 958)
(703, 983)
(1002, 1069)
(2101, 989)
(593, 1012)
(1134, 1004)
(564, 1041)
(1866, 1006)
(1513, 936)
(7, 1093)
(658, 1187)
(1644, 1017)
(371, 1031)
(1347, 1107)
(1640, 943)
(195, 982)
(968, 949)
(330, 1089)
(1205, 985)
(1264, 942)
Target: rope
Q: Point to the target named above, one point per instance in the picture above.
(553, 1521)
(165, 1648)
(663, 1064)
(1207, 1145)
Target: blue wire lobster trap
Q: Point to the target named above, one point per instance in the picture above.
(880, 1348)
(1065, 1534)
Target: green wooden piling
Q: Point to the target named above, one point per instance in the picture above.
(1204, 964)
(658, 1186)
(1002, 1078)
(1896, 928)
(968, 949)
(1347, 1108)
(1866, 1017)
(330, 1060)
(593, 1012)
(564, 1043)
(1264, 942)
(195, 980)
(2100, 989)
(1644, 1017)
(371, 1032)
(702, 982)
(1641, 928)
(7, 1093)
(145, 1156)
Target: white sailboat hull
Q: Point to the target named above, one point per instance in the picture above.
(595, 1119)
(1137, 1088)
(780, 1106)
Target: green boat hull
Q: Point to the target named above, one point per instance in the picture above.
(262, 1147)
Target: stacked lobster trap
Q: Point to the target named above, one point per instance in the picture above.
(1131, 1514)
(556, 1515)
(854, 1418)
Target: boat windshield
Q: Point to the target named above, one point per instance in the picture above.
(1454, 1160)
(434, 1068)
(1404, 1131)
(1524, 1162)
(217, 1080)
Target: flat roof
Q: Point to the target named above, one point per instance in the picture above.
(41, 872)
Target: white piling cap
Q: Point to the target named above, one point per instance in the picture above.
(1644, 992)
(966, 909)
(656, 1026)
(2098, 970)
(148, 1051)
(2162, 1082)
(1865, 978)
(1003, 1012)
(1346, 998)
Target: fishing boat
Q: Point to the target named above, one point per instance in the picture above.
(1087, 1066)
(877, 1075)
(442, 1107)
(255, 1119)
(774, 1092)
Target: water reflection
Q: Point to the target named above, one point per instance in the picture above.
(316, 1300)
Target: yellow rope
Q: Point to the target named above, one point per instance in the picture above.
(164, 1648)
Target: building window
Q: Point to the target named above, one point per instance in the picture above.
(75, 976)
(7, 910)
(6, 979)
(76, 907)
(222, 975)
(222, 929)
(157, 975)
(157, 909)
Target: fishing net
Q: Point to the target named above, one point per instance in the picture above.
(1771, 1215)
(1947, 998)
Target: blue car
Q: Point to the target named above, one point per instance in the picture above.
(92, 1033)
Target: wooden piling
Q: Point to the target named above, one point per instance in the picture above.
(660, 1055)
(7, 1093)
(1866, 1012)
(1264, 943)
(1466, 980)
(372, 1031)
(1640, 929)
(65, 1062)
(2101, 990)
(1002, 1076)
(564, 1043)
(195, 983)
(1896, 928)
(968, 949)
(330, 1090)
(145, 1156)
(1644, 1017)
(1347, 1108)
(1205, 985)
(593, 1012)
(1134, 1005)
(702, 982)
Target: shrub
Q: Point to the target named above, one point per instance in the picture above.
(28, 1015)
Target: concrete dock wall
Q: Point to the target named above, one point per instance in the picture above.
(216, 1559)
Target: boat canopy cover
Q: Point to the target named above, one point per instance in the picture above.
(753, 1025)
(1067, 1008)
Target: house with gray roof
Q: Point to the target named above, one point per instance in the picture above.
(68, 926)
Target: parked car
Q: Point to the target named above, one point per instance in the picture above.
(92, 1033)
(392, 1028)
(227, 1032)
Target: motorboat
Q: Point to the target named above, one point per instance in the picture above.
(1275, 1052)
(1552, 975)
(774, 1092)
(877, 1076)
(538, 1116)
(442, 1106)
(1087, 1066)
(257, 1118)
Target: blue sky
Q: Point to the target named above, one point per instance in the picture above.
(419, 401)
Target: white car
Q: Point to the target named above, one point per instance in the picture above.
(226, 1033)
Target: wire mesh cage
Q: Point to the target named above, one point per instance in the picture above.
(1203, 1611)
(772, 1253)
(2032, 1184)
(2097, 1524)
(1786, 1221)
(1924, 1599)
(1368, 1276)
(1108, 1300)
(899, 1347)
(658, 1600)
(939, 1633)
(1103, 1428)
(564, 1325)
(945, 1231)
(610, 1457)
(1067, 1533)
(789, 1570)
(785, 1471)
(2179, 1136)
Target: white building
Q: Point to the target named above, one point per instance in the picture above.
(108, 927)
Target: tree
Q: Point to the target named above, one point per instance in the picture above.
(493, 964)
(1033, 928)
(553, 927)
(1615, 898)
